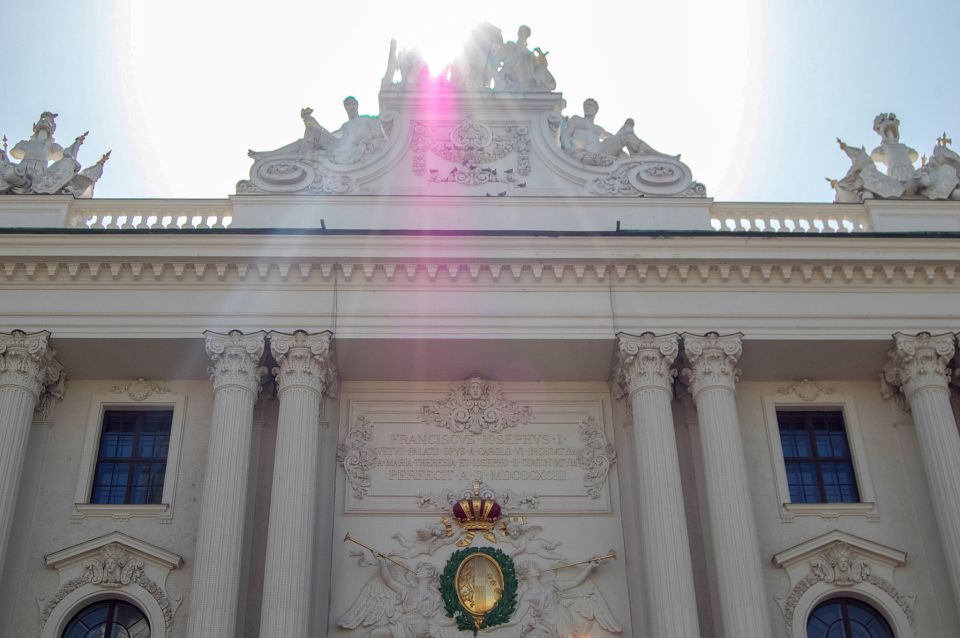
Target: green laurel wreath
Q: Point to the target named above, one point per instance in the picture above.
(448, 589)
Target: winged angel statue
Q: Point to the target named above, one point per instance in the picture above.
(398, 603)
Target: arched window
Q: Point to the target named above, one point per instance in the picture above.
(847, 618)
(108, 619)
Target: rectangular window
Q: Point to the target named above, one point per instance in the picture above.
(817, 456)
(132, 457)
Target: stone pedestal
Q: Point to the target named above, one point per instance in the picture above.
(305, 371)
(712, 375)
(236, 376)
(644, 372)
(28, 369)
(918, 366)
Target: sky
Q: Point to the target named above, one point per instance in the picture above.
(752, 93)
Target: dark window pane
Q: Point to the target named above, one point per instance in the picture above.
(132, 458)
(817, 456)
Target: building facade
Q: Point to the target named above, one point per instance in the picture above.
(290, 412)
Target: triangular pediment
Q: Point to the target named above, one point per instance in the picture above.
(836, 541)
(95, 547)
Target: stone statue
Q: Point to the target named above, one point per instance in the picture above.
(357, 139)
(476, 67)
(938, 178)
(897, 157)
(522, 69)
(552, 607)
(411, 65)
(396, 603)
(36, 175)
(585, 140)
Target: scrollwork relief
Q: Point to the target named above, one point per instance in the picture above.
(141, 390)
(357, 456)
(805, 390)
(476, 405)
(471, 145)
(595, 457)
(508, 499)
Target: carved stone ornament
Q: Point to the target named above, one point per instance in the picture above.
(472, 147)
(595, 457)
(114, 561)
(141, 390)
(645, 361)
(236, 359)
(509, 500)
(476, 405)
(805, 390)
(917, 362)
(29, 362)
(937, 178)
(357, 456)
(841, 562)
(36, 175)
(712, 361)
(305, 360)
(652, 177)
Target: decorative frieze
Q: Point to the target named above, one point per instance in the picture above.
(805, 390)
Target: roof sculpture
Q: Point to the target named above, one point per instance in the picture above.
(489, 124)
(937, 178)
(35, 174)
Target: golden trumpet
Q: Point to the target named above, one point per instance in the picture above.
(376, 554)
(612, 555)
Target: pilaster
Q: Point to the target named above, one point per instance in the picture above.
(305, 372)
(236, 373)
(29, 371)
(918, 366)
(712, 375)
(644, 371)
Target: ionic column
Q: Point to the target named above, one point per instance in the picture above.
(305, 371)
(644, 371)
(918, 366)
(236, 372)
(28, 369)
(712, 375)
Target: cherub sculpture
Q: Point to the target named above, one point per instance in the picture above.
(551, 605)
(395, 602)
(426, 541)
(525, 539)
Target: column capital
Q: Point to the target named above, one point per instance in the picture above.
(27, 361)
(916, 362)
(236, 359)
(305, 360)
(712, 360)
(645, 361)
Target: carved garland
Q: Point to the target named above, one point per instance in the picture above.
(114, 568)
(508, 499)
(841, 567)
(357, 457)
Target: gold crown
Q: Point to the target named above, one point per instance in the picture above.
(476, 513)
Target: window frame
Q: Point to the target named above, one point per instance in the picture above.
(846, 405)
(82, 507)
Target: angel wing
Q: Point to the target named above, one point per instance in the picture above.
(375, 605)
(586, 601)
(531, 531)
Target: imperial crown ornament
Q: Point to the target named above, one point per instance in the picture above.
(476, 514)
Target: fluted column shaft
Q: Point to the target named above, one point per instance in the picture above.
(918, 365)
(236, 372)
(644, 371)
(304, 372)
(712, 375)
(28, 369)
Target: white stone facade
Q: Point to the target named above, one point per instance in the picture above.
(357, 339)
